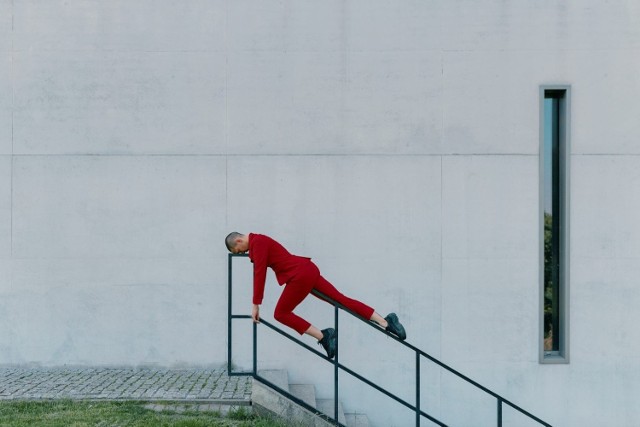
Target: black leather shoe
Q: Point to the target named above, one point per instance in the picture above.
(328, 341)
(395, 327)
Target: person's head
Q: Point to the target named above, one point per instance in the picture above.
(237, 243)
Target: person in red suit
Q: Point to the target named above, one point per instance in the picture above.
(301, 276)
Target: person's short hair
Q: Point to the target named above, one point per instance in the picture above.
(230, 240)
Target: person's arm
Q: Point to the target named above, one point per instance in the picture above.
(258, 254)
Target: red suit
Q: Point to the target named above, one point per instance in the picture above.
(301, 277)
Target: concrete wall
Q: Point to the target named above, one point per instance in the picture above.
(395, 142)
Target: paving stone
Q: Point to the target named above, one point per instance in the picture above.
(121, 383)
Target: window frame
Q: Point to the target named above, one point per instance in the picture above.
(563, 93)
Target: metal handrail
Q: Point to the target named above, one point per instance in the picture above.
(338, 366)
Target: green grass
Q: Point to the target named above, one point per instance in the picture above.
(68, 413)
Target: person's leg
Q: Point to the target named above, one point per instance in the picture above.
(292, 295)
(361, 309)
(389, 323)
(379, 320)
(314, 332)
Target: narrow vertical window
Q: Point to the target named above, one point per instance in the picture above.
(554, 224)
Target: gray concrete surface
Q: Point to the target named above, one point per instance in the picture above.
(135, 135)
(266, 401)
(206, 386)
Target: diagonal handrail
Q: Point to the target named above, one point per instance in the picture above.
(338, 366)
(433, 359)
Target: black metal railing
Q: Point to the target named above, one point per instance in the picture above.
(340, 367)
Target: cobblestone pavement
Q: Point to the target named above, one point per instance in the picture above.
(196, 385)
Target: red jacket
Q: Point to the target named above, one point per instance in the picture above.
(265, 252)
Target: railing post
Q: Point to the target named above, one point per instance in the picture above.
(499, 412)
(229, 318)
(255, 348)
(335, 368)
(417, 389)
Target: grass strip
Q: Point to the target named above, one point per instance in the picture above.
(71, 413)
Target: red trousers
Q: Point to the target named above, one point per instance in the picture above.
(297, 289)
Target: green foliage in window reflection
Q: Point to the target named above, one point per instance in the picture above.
(548, 284)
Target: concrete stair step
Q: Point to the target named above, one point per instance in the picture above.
(326, 406)
(304, 392)
(279, 377)
(357, 420)
(267, 401)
